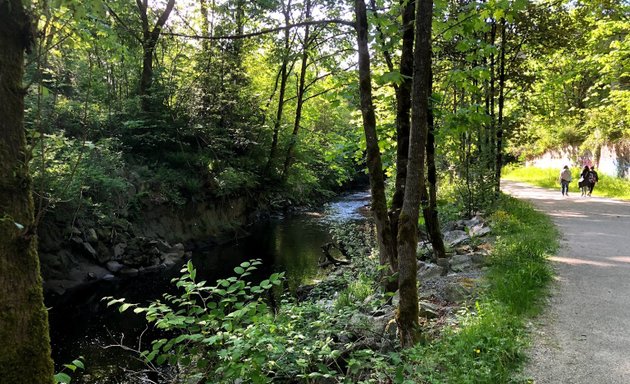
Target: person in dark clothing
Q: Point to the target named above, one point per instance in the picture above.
(583, 183)
(593, 178)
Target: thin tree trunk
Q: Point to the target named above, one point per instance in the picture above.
(374, 163)
(149, 42)
(284, 75)
(429, 208)
(407, 315)
(25, 352)
(489, 150)
(300, 95)
(499, 149)
(403, 109)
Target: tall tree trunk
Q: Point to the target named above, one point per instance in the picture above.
(488, 153)
(499, 149)
(25, 352)
(149, 42)
(374, 163)
(403, 109)
(284, 75)
(300, 95)
(407, 316)
(429, 208)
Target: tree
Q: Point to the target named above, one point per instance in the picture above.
(386, 242)
(149, 42)
(25, 353)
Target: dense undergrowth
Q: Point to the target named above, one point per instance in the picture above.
(607, 186)
(227, 331)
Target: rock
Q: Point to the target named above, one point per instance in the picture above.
(74, 231)
(109, 277)
(119, 250)
(456, 237)
(103, 233)
(91, 276)
(424, 248)
(457, 292)
(90, 251)
(459, 263)
(427, 271)
(129, 272)
(104, 255)
(476, 220)
(76, 240)
(428, 310)
(174, 256)
(163, 246)
(68, 260)
(151, 269)
(91, 236)
(178, 249)
(479, 230)
(114, 266)
(478, 258)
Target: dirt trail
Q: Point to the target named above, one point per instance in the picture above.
(584, 335)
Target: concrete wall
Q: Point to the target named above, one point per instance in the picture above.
(612, 159)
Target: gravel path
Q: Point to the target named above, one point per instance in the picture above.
(584, 335)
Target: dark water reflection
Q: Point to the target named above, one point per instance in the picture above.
(81, 324)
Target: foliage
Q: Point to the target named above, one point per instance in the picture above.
(65, 378)
(86, 174)
(607, 186)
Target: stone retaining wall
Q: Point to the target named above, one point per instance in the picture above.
(612, 159)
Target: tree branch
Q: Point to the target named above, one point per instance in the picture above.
(264, 31)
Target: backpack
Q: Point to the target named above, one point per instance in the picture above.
(592, 177)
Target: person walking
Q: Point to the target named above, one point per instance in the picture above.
(593, 178)
(565, 179)
(583, 183)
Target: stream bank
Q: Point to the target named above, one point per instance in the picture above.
(81, 323)
(72, 255)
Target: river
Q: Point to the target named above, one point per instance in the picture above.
(82, 325)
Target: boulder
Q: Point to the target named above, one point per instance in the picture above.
(119, 250)
(178, 249)
(456, 237)
(104, 255)
(103, 233)
(74, 231)
(479, 230)
(129, 272)
(428, 310)
(460, 291)
(476, 220)
(91, 236)
(428, 271)
(459, 263)
(478, 258)
(114, 266)
(88, 250)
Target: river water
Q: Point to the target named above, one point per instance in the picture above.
(82, 325)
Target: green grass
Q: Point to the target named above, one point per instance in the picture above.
(607, 186)
(488, 344)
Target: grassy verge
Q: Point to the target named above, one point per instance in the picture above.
(548, 178)
(488, 344)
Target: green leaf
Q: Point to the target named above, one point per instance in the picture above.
(239, 270)
(62, 378)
